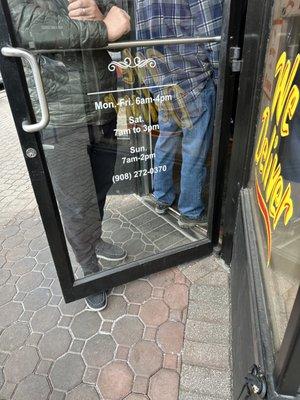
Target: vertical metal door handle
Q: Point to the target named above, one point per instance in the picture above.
(16, 52)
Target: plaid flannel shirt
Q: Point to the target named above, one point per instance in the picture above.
(187, 65)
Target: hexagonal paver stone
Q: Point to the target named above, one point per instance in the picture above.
(128, 330)
(115, 381)
(121, 235)
(34, 387)
(23, 266)
(145, 358)
(34, 232)
(13, 241)
(14, 336)
(21, 364)
(177, 296)
(73, 308)
(138, 291)
(154, 312)
(111, 224)
(44, 256)
(162, 279)
(57, 395)
(170, 336)
(83, 392)
(1, 378)
(49, 270)
(10, 313)
(67, 372)
(135, 247)
(30, 281)
(2, 260)
(86, 324)
(17, 253)
(55, 343)
(31, 221)
(37, 299)
(99, 350)
(39, 243)
(135, 396)
(4, 276)
(164, 385)
(10, 230)
(7, 292)
(55, 288)
(116, 307)
(45, 319)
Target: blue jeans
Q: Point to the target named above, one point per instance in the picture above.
(195, 142)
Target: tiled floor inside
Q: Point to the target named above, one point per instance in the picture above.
(163, 337)
(131, 222)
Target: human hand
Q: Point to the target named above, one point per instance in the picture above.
(85, 10)
(117, 22)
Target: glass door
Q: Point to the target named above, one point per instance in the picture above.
(122, 135)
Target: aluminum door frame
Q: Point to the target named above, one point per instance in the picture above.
(17, 92)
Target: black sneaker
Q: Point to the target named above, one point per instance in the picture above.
(97, 302)
(161, 208)
(186, 222)
(109, 251)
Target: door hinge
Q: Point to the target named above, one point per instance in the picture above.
(235, 59)
(256, 382)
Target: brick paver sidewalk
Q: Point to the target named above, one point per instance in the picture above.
(134, 350)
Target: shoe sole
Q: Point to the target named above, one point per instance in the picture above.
(161, 212)
(111, 259)
(98, 308)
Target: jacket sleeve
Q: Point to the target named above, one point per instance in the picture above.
(105, 6)
(37, 27)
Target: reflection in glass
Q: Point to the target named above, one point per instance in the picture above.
(129, 131)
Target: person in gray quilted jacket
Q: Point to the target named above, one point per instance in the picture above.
(67, 38)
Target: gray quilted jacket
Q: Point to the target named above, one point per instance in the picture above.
(70, 74)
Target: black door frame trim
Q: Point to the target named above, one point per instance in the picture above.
(15, 84)
(257, 29)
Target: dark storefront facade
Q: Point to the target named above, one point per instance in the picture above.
(265, 259)
(250, 193)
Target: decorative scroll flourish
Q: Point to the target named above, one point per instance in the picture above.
(129, 62)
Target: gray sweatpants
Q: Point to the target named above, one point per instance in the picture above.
(72, 178)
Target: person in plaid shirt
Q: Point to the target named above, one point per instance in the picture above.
(189, 73)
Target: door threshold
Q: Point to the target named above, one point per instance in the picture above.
(171, 217)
